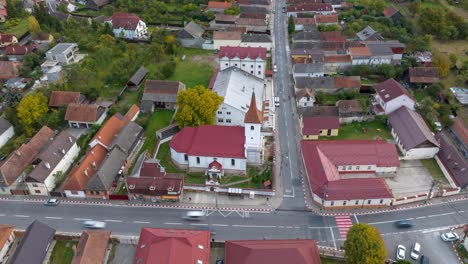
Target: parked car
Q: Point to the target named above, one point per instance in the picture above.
(52, 202)
(424, 260)
(277, 101)
(275, 69)
(450, 236)
(415, 251)
(94, 224)
(404, 223)
(401, 252)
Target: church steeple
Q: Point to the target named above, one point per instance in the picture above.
(253, 115)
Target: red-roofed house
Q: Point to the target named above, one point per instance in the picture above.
(460, 133)
(248, 59)
(128, 26)
(173, 246)
(326, 19)
(7, 237)
(423, 75)
(64, 98)
(218, 7)
(391, 95)
(7, 40)
(315, 126)
(392, 13)
(16, 53)
(325, 161)
(302, 251)
(312, 8)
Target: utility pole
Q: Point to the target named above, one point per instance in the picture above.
(324, 197)
(430, 190)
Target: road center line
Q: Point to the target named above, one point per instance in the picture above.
(2, 215)
(140, 222)
(82, 219)
(198, 224)
(172, 223)
(22, 215)
(53, 217)
(115, 221)
(219, 225)
(253, 226)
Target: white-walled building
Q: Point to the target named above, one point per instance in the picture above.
(305, 98)
(248, 59)
(56, 159)
(391, 95)
(7, 237)
(413, 137)
(129, 26)
(226, 38)
(6, 131)
(309, 69)
(236, 86)
(310, 9)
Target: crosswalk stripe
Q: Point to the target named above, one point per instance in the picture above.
(344, 223)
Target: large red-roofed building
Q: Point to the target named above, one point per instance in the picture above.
(326, 161)
(248, 59)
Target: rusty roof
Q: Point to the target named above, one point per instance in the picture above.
(92, 247)
(84, 112)
(62, 98)
(424, 75)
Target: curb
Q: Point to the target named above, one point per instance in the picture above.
(456, 252)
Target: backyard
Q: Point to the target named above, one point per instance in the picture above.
(196, 69)
(159, 119)
(164, 157)
(376, 129)
(434, 169)
(15, 27)
(63, 252)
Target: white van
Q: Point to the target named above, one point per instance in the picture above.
(277, 101)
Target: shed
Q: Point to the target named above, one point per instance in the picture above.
(137, 78)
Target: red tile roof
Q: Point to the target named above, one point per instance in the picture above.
(253, 115)
(460, 129)
(172, 246)
(390, 89)
(210, 141)
(132, 113)
(304, 21)
(424, 75)
(313, 124)
(332, 36)
(6, 38)
(125, 20)
(19, 50)
(8, 69)
(339, 58)
(213, 79)
(242, 52)
(215, 164)
(360, 51)
(110, 129)
(162, 87)
(92, 247)
(312, 7)
(453, 161)
(62, 98)
(5, 232)
(322, 158)
(227, 35)
(390, 11)
(347, 82)
(303, 251)
(326, 19)
(83, 112)
(219, 5)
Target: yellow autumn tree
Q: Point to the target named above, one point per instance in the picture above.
(364, 245)
(33, 25)
(30, 111)
(197, 106)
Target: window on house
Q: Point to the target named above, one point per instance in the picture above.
(227, 64)
(220, 120)
(251, 72)
(344, 203)
(228, 113)
(251, 66)
(243, 65)
(259, 72)
(252, 127)
(228, 120)
(220, 112)
(381, 201)
(369, 201)
(198, 160)
(34, 185)
(233, 162)
(369, 167)
(308, 99)
(332, 203)
(350, 167)
(37, 191)
(356, 203)
(186, 157)
(357, 167)
(235, 64)
(259, 66)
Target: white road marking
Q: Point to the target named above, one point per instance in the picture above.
(2, 215)
(219, 225)
(355, 218)
(115, 221)
(140, 222)
(420, 217)
(333, 237)
(253, 226)
(22, 215)
(82, 219)
(53, 217)
(198, 224)
(172, 223)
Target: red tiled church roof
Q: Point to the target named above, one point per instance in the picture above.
(242, 52)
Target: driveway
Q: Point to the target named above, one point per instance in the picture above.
(124, 253)
(412, 178)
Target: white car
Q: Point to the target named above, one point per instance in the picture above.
(401, 252)
(275, 69)
(94, 224)
(415, 251)
(450, 236)
(52, 202)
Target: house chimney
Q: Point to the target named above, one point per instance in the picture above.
(70, 139)
(18, 152)
(161, 169)
(94, 164)
(63, 151)
(47, 165)
(86, 172)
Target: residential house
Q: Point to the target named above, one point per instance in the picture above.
(304, 23)
(252, 9)
(34, 244)
(16, 53)
(7, 40)
(51, 163)
(451, 162)
(55, 74)
(236, 87)
(360, 55)
(85, 115)
(327, 160)
(312, 8)
(92, 247)
(413, 137)
(329, 84)
(64, 53)
(347, 83)
(191, 36)
(223, 22)
(64, 98)
(351, 111)
(226, 38)
(423, 75)
(258, 25)
(18, 84)
(150, 181)
(137, 78)
(109, 131)
(217, 7)
(42, 38)
(337, 63)
(160, 94)
(391, 95)
(173, 246)
(7, 237)
(305, 98)
(97, 4)
(392, 13)
(460, 134)
(386, 52)
(7, 131)
(308, 70)
(337, 4)
(128, 26)
(11, 171)
(304, 251)
(307, 56)
(257, 40)
(258, 3)
(326, 19)
(8, 70)
(368, 33)
(248, 59)
(313, 127)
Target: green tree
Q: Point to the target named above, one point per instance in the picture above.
(31, 109)
(233, 10)
(332, 27)
(432, 19)
(364, 245)
(442, 62)
(33, 25)
(197, 106)
(419, 43)
(404, 261)
(291, 25)
(415, 7)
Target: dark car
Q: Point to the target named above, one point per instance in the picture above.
(404, 223)
(424, 260)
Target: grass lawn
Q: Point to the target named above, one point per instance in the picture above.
(456, 47)
(62, 253)
(434, 169)
(226, 179)
(128, 99)
(158, 120)
(195, 69)
(19, 29)
(164, 156)
(195, 178)
(331, 261)
(374, 129)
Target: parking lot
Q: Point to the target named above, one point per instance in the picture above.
(412, 178)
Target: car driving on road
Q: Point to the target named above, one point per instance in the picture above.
(404, 223)
(94, 224)
(52, 202)
(194, 215)
(401, 252)
(450, 236)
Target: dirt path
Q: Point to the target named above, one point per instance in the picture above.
(210, 59)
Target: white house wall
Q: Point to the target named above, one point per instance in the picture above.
(218, 43)
(255, 67)
(266, 45)
(9, 133)
(420, 153)
(402, 100)
(77, 194)
(236, 116)
(304, 103)
(239, 164)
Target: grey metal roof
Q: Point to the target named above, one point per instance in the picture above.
(256, 38)
(315, 82)
(308, 67)
(367, 33)
(191, 30)
(138, 77)
(411, 128)
(253, 9)
(34, 244)
(61, 47)
(383, 47)
(110, 167)
(307, 36)
(4, 125)
(127, 137)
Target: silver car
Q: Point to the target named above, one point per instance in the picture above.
(401, 252)
(450, 236)
(94, 224)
